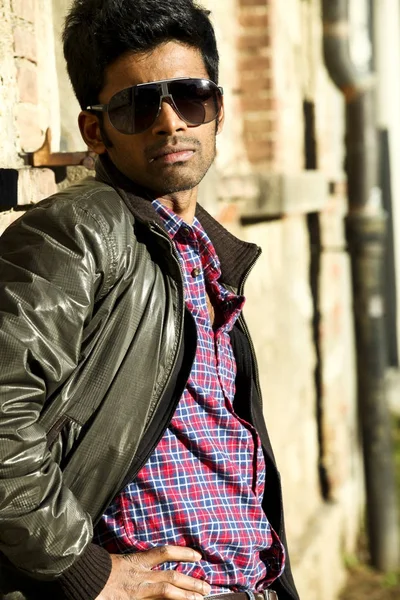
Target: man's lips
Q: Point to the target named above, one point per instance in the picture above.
(172, 154)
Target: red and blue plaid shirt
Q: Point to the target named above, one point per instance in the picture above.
(203, 485)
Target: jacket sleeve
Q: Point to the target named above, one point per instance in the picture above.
(51, 266)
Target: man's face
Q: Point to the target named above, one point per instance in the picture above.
(140, 156)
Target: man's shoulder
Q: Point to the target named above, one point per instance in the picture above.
(95, 198)
(88, 220)
(90, 212)
(88, 207)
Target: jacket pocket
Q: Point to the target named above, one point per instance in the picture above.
(62, 437)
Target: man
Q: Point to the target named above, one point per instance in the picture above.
(135, 463)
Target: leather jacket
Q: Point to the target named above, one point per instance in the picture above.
(95, 350)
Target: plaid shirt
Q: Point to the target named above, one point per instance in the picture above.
(203, 485)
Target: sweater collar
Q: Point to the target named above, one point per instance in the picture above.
(236, 256)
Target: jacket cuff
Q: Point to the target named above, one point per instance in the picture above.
(87, 576)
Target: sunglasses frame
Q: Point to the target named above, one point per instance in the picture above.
(164, 94)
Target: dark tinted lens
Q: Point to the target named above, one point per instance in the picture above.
(147, 101)
(134, 110)
(197, 100)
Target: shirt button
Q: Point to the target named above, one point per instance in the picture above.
(185, 231)
(196, 272)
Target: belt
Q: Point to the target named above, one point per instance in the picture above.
(248, 595)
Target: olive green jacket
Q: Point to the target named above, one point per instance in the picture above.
(92, 326)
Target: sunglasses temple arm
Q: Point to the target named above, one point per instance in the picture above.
(98, 107)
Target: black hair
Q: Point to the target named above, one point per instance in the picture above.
(98, 32)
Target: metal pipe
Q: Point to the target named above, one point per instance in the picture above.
(366, 230)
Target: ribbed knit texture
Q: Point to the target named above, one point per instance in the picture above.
(88, 576)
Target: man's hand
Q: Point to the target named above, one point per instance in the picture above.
(132, 577)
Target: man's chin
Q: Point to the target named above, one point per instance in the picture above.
(173, 185)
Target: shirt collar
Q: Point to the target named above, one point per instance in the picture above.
(171, 221)
(237, 256)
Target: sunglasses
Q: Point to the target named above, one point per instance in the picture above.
(135, 109)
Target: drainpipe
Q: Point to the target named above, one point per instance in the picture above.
(366, 230)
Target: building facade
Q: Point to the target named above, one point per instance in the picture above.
(278, 181)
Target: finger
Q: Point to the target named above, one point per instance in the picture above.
(179, 580)
(148, 559)
(167, 590)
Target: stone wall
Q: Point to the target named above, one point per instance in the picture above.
(277, 181)
(28, 101)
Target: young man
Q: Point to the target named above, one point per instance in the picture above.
(135, 462)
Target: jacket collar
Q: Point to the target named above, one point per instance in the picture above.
(236, 256)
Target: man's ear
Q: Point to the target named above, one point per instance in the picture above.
(221, 117)
(91, 132)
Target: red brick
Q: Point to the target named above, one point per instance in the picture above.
(255, 42)
(272, 103)
(30, 133)
(248, 64)
(253, 2)
(254, 52)
(250, 20)
(252, 86)
(258, 127)
(27, 82)
(258, 140)
(257, 102)
(251, 75)
(25, 43)
(259, 33)
(259, 152)
(25, 9)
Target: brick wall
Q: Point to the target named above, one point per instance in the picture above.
(270, 62)
(257, 87)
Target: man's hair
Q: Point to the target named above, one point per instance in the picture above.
(98, 32)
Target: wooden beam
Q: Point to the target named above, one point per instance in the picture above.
(45, 158)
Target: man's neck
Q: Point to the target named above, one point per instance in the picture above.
(182, 204)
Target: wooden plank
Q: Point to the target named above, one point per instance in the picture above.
(45, 158)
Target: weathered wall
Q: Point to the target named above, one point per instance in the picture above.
(28, 94)
(298, 295)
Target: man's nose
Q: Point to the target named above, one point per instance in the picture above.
(168, 121)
